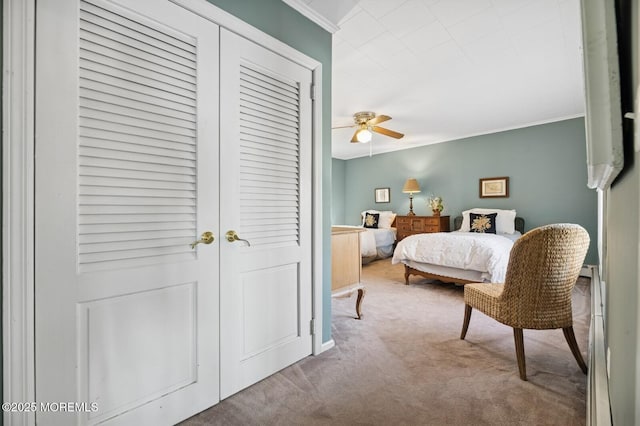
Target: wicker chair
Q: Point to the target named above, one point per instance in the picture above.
(543, 268)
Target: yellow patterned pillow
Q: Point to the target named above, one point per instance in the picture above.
(483, 223)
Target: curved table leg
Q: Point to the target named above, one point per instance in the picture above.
(406, 275)
(359, 302)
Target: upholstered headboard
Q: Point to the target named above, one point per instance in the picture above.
(519, 223)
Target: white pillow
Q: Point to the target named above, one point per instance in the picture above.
(505, 221)
(384, 221)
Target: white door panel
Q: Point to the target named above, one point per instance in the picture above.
(266, 198)
(126, 178)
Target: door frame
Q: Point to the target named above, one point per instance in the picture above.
(18, 168)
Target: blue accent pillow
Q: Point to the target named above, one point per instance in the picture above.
(483, 223)
(371, 220)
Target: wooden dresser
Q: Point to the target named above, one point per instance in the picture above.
(409, 225)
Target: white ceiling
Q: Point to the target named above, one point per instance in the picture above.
(448, 69)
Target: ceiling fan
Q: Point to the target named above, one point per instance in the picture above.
(366, 122)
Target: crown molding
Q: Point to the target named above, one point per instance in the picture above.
(312, 15)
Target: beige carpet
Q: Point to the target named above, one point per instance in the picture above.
(404, 364)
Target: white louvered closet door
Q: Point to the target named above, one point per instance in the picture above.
(265, 194)
(126, 179)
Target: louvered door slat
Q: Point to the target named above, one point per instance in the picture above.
(100, 62)
(122, 119)
(134, 209)
(135, 174)
(96, 43)
(140, 87)
(134, 236)
(268, 213)
(268, 113)
(138, 76)
(249, 94)
(133, 165)
(131, 28)
(137, 155)
(134, 227)
(249, 138)
(272, 82)
(93, 133)
(114, 247)
(148, 101)
(154, 47)
(94, 219)
(115, 154)
(275, 156)
(259, 204)
(137, 149)
(136, 183)
(143, 114)
(260, 89)
(269, 144)
(253, 171)
(137, 105)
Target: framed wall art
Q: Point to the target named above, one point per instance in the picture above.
(494, 187)
(382, 195)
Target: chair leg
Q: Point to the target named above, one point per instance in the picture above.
(467, 318)
(517, 335)
(575, 350)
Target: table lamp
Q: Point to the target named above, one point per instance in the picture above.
(411, 187)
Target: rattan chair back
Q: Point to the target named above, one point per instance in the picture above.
(543, 268)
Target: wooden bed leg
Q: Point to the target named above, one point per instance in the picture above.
(359, 302)
(406, 275)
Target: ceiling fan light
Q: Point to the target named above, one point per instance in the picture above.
(364, 136)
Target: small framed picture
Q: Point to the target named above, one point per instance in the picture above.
(495, 187)
(382, 195)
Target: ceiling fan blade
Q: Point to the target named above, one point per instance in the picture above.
(387, 132)
(378, 119)
(343, 127)
(354, 139)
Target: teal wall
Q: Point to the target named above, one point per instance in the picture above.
(622, 225)
(338, 168)
(546, 166)
(280, 21)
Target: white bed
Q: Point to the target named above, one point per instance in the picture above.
(377, 243)
(461, 257)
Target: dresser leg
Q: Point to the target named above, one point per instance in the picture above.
(359, 303)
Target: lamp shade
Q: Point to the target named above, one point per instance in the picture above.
(411, 186)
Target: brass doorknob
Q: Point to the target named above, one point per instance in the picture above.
(233, 236)
(206, 238)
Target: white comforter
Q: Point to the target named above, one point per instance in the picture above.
(373, 238)
(487, 253)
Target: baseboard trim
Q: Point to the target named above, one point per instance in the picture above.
(326, 346)
(587, 270)
(598, 403)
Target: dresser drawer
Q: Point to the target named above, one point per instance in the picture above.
(410, 225)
